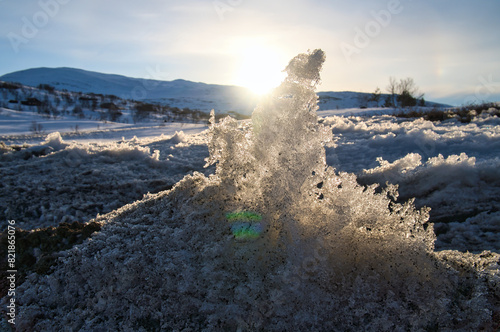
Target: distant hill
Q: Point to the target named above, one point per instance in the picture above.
(348, 99)
(177, 93)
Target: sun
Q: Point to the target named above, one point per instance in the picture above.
(260, 70)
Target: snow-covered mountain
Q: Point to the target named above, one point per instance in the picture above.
(333, 100)
(177, 93)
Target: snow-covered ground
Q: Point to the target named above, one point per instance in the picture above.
(15, 123)
(323, 241)
(449, 166)
(94, 172)
(452, 167)
(16, 128)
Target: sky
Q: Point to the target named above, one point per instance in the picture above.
(450, 48)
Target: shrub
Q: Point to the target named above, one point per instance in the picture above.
(46, 87)
(464, 114)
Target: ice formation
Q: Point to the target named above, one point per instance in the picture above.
(324, 253)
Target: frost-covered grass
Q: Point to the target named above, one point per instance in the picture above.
(330, 249)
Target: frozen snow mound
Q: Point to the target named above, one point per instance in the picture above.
(320, 252)
(449, 166)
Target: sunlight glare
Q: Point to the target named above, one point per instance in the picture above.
(260, 70)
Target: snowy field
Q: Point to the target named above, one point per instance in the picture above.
(307, 242)
(452, 167)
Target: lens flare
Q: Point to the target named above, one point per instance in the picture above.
(245, 225)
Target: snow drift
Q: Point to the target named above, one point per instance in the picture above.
(449, 166)
(330, 254)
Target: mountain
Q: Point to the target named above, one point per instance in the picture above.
(177, 93)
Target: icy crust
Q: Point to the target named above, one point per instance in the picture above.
(61, 181)
(332, 255)
(464, 195)
(455, 183)
(451, 167)
(475, 234)
(281, 152)
(361, 140)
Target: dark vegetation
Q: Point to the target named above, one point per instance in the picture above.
(37, 250)
(10, 86)
(464, 114)
(404, 93)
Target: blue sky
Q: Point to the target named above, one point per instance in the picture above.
(450, 48)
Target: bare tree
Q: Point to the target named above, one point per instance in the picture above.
(408, 93)
(392, 89)
(408, 85)
(403, 93)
